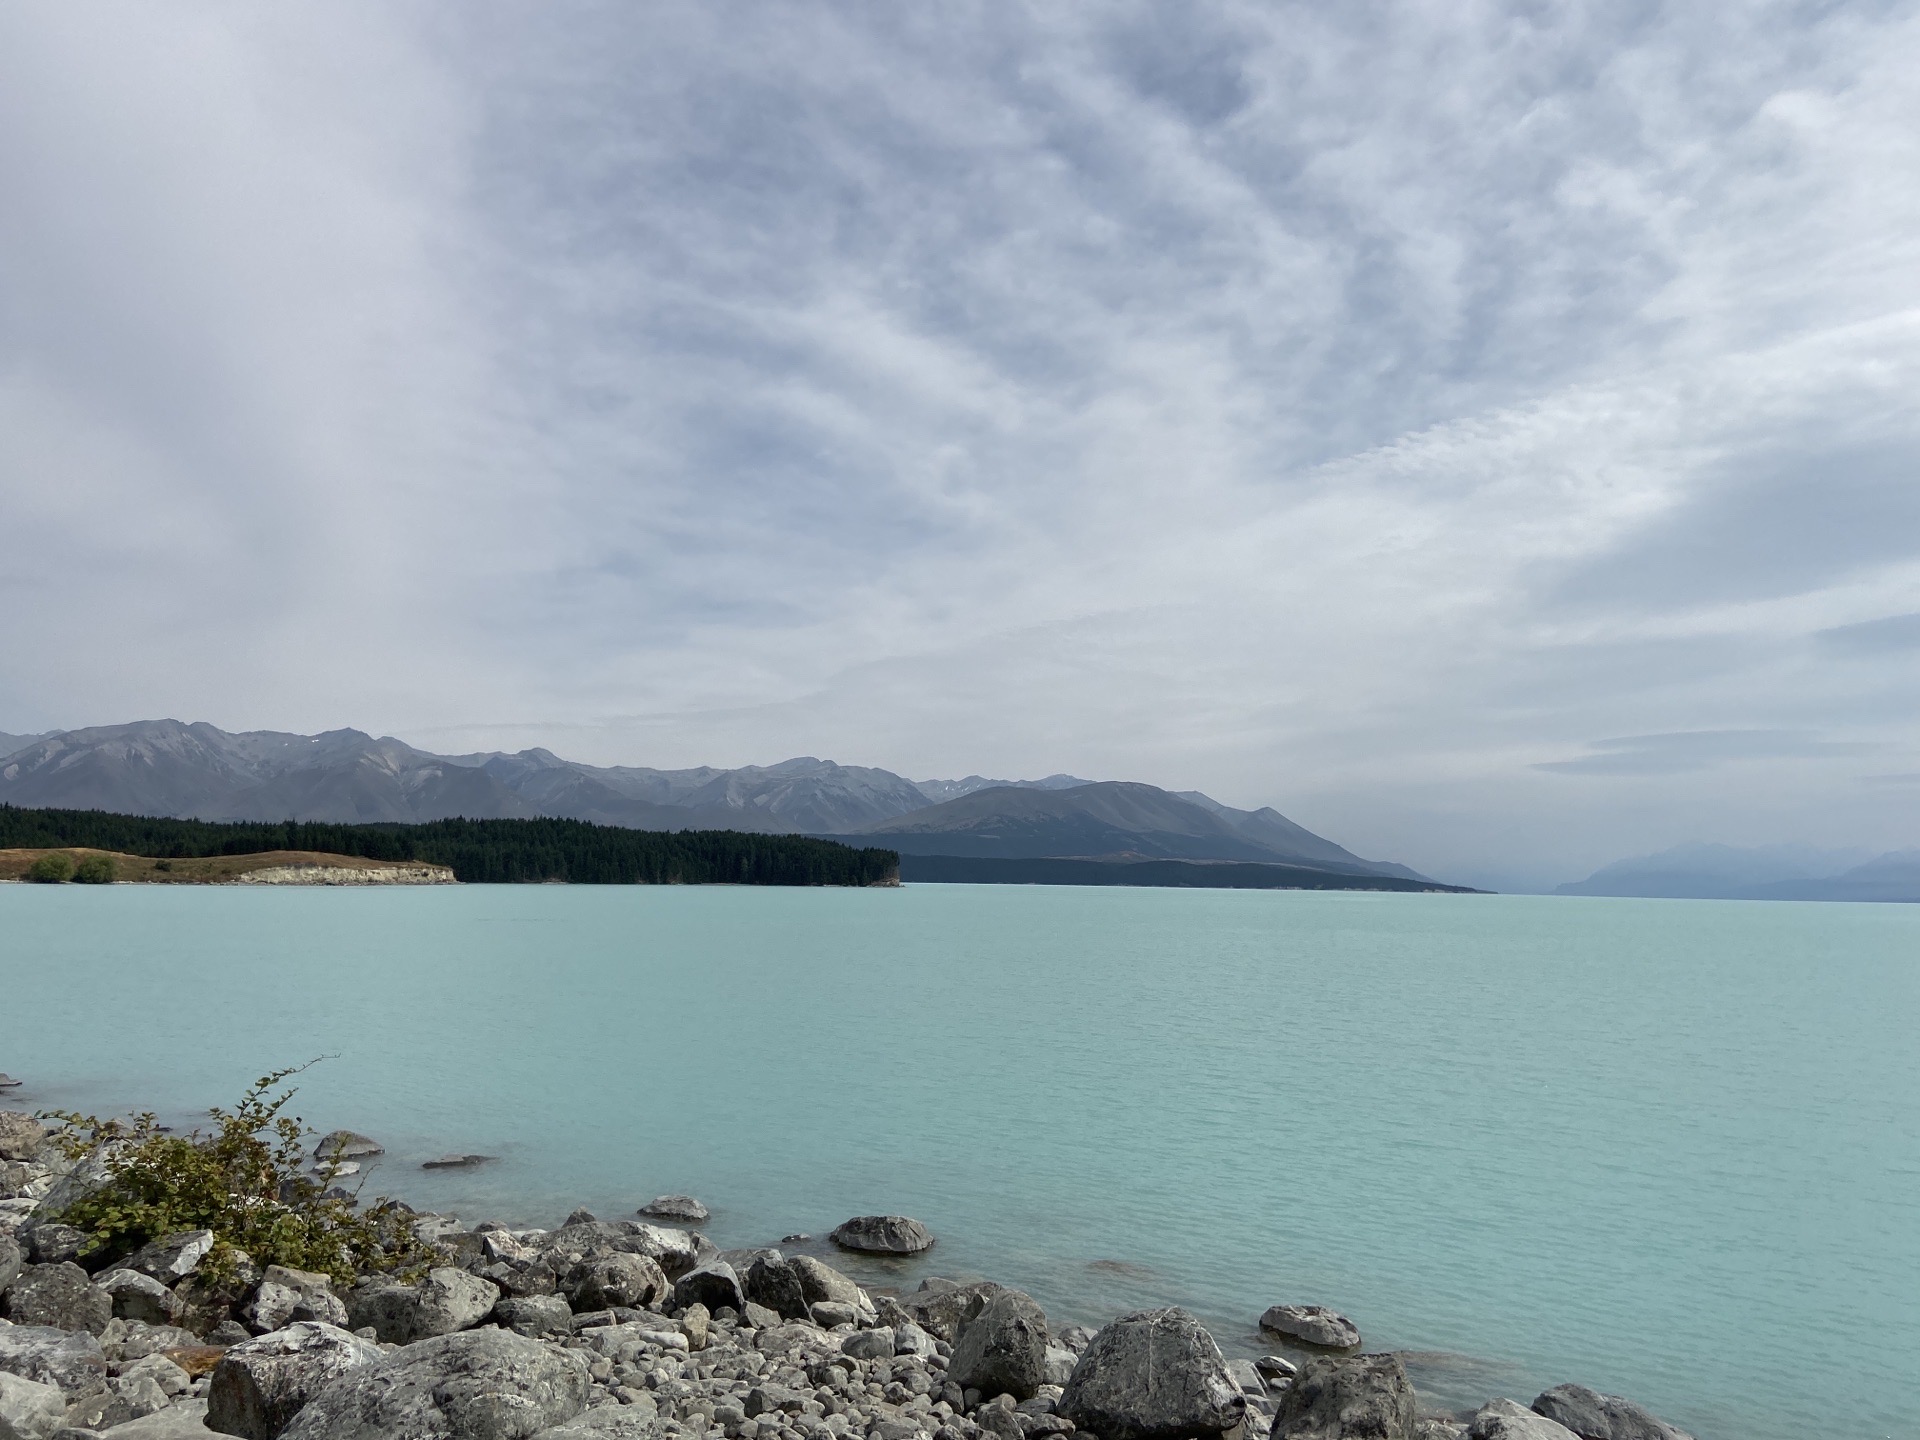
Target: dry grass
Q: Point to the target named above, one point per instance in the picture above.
(206, 870)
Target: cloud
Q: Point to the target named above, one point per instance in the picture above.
(1699, 750)
(1873, 637)
(1335, 407)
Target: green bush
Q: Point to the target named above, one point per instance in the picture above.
(51, 870)
(94, 870)
(243, 1182)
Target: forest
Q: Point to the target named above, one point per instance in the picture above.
(479, 851)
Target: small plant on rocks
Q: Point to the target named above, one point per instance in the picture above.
(242, 1180)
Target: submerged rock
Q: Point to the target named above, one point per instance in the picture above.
(454, 1162)
(883, 1235)
(1312, 1325)
(1593, 1416)
(1152, 1375)
(1346, 1398)
(676, 1207)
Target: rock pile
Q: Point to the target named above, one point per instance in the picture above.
(617, 1331)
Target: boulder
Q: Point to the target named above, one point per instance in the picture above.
(171, 1379)
(51, 1243)
(12, 1261)
(534, 1315)
(618, 1279)
(1312, 1325)
(139, 1297)
(285, 1295)
(446, 1301)
(713, 1285)
(140, 1393)
(58, 1295)
(676, 1207)
(172, 1258)
(482, 1385)
(72, 1360)
(882, 1235)
(21, 1136)
(90, 1173)
(868, 1345)
(910, 1339)
(1432, 1427)
(820, 1282)
(1510, 1420)
(1059, 1362)
(674, 1251)
(1152, 1375)
(1004, 1350)
(773, 1282)
(29, 1409)
(1593, 1416)
(943, 1309)
(1346, 1397)
(259, 1386)
(17, 1179)
(346, 1145)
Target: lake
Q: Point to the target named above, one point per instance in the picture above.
(1669, 1149)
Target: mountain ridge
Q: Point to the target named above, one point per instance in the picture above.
(198, 771)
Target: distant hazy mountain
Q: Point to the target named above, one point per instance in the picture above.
(939, 790)
(164, 767)
(1770, 872)
(1111, 818)
(11, 743)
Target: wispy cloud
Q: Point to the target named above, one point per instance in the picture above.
(1339, 407)
(1700, 750)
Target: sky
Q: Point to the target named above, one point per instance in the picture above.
(1485, 432)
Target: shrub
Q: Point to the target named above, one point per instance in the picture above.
(94, 870)
(55, 869)
(244, 1183)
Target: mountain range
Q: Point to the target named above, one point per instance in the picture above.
(166, 767)
(1766, 872)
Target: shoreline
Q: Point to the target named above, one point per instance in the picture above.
(929, 1322)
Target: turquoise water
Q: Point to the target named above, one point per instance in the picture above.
(1665, 1148)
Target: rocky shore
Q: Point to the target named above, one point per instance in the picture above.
(607, 1329)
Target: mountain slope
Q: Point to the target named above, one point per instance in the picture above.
(167, 768)
(1112, 818)
(1715, 872)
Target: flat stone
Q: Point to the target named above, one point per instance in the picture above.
(676, 1207)
(883, 1235)
(1312, 1325)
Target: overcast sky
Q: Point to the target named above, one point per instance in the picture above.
(1486, 432)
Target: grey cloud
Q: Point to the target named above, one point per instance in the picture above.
(1873, 637)
(1691, 750)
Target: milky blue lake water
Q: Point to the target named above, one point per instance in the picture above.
(1669, 1149)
